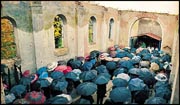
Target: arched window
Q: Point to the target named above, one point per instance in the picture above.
(92, 29)
(59, 23)
(8, 45)
(111, 25)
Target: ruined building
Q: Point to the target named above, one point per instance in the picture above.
(84, 27)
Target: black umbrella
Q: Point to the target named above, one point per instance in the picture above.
(45, 82)
(120, 94)
(86, 88)
(75, 64)
(155, 100)
(146, 76)
(141, 96)
(25, 81)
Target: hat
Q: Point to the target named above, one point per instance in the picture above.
(161, 77)
(26, 73)
(52, 66)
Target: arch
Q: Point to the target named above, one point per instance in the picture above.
(60, 30)
(15, 42)
(92, 30)
(111, 28)
(135, 19)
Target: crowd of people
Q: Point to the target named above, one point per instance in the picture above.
(139, 76)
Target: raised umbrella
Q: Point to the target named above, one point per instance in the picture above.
(18, 90)
(86, 88)
(120, 94)
(136, 84)
(35, 97)
(71, 75)
(155, 100)
(88, 75)
(118, 82)
(101, 79)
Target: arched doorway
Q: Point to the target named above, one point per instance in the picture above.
(146, 30)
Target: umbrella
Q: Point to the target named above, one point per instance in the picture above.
(93, 61)
(146, 57)
(71, 75)
(60, 68)
(167, 66)
(56, 75)
(26, 73)
(155, 100)
(9, 98)
(86, 88)
(136, 59)
(101, 69)
(87, 66)
(57, 100)
(59, 85)
(123, 76)
(144, 64)
(126, 64)
(119, 71)
(161, 84)
(166, 58)
(78, 72)
(41, 70)
(163, 92)
(111, 65)
(136, 84)
(35, 97)
(101, 79)
(120, 94)
(25, 81)
(68, 69)
(43, 75)
(88, 75)
(118, 82)
(146, 76)
(154, 67)
(141, 96)
(18, 90)
(134, 71)
(45, 82)
(161, 77)
(155, 61)
(75, 64)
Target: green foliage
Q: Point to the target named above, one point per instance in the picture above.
(8, 46)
